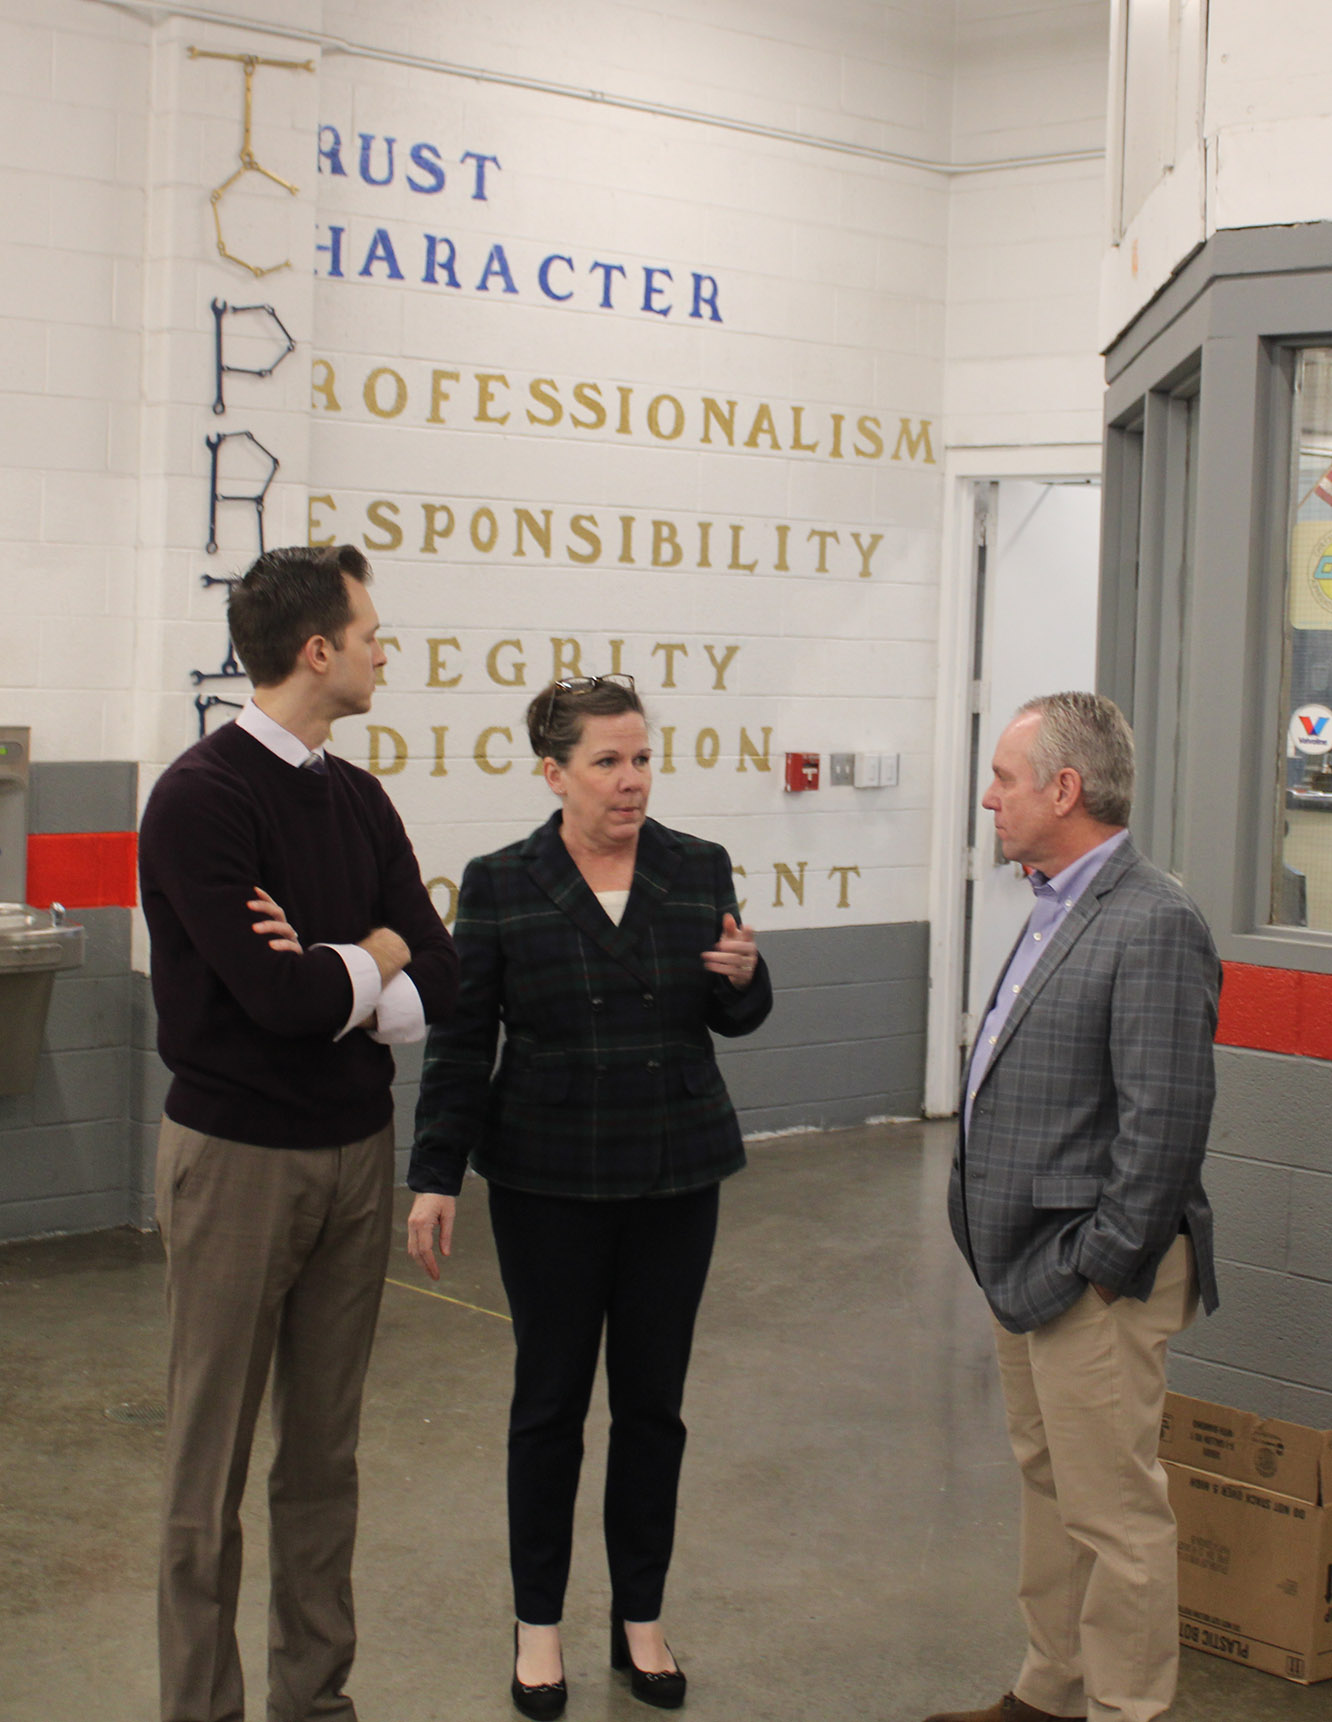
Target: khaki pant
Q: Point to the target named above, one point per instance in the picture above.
(273, 1255)
(1098, 1588)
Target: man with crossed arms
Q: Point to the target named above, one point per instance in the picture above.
(293, 941)
(1077, 1199)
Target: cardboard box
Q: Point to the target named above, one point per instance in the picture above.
(1253, 1497)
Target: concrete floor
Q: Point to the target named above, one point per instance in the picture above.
(847, 1528)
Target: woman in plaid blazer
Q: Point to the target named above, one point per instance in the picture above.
(609, 949)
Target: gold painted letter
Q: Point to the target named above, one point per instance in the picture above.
(670, 648)
(843, 900)
(517, 677)
(762, 761)
(665, 539)
(312, 525)
(379, 766)
(485, 398)
(915, 442)
(384, 515)
(321, 383)
(782, 872)
(436, 677)
(370, 393)
(431, 531)
(583, 527)
(439, 394)
(721, 668)
(483, 759)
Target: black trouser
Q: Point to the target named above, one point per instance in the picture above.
(638, 1265)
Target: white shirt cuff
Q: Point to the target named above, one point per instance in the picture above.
(367, 988)
(401, 1015)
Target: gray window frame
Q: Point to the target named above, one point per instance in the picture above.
(1229, 325)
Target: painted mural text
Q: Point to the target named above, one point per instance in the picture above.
(505, 663)
(497, 748)
(463, 395)
(461, 531)
(380, 160)
(789, 882)
(434, 260)
(399, 254)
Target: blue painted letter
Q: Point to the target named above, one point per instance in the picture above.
(381, 251)
(437, 259)
(479, 195)
(496, 264)
(331, 152)
(543, 276)
(367, 143)
(334, 249)
(426, 157)
(651, 290)
(610, 269)
(706, 297)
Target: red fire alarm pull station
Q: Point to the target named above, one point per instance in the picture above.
(802, 771)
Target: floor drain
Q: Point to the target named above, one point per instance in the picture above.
(146, 1411)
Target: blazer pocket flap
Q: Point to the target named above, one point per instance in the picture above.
(1051, 1190)
(547, 1085)
(701, 1078)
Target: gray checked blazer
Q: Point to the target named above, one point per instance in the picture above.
(1083, 1157)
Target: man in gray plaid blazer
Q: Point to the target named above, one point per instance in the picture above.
(1077, 1199)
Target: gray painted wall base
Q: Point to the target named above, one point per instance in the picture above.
(1269, 1175)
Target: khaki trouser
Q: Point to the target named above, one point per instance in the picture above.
(273, 1254)
(1098, 1588)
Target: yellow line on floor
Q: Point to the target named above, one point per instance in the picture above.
(425, 1291)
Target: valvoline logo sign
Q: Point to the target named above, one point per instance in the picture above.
(1311, 730)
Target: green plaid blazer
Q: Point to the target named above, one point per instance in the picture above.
(607, 1084)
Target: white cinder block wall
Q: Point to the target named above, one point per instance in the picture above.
(1025, 243)
(1239, 104)
(661, 377)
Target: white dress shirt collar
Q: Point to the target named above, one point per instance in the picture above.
(266, 730)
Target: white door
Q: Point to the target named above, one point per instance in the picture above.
(1036, 634)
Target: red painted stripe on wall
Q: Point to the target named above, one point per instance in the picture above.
(83, 869)
(1276, 1010)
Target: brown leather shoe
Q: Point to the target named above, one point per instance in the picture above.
(1008, 1709)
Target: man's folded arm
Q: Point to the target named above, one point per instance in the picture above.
(206, 868)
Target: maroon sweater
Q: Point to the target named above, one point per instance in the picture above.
(248, 1032)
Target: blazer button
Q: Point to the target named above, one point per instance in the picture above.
(597, 1003)
(648, 999)
(654, 1064)
(601, 1069)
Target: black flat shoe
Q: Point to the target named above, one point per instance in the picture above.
(542, 1703)
(664, 1688)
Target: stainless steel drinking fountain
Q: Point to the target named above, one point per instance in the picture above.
(35, 944)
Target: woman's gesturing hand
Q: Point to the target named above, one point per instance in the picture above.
(735, 955)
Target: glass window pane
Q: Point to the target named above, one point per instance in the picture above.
(1302, 874)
